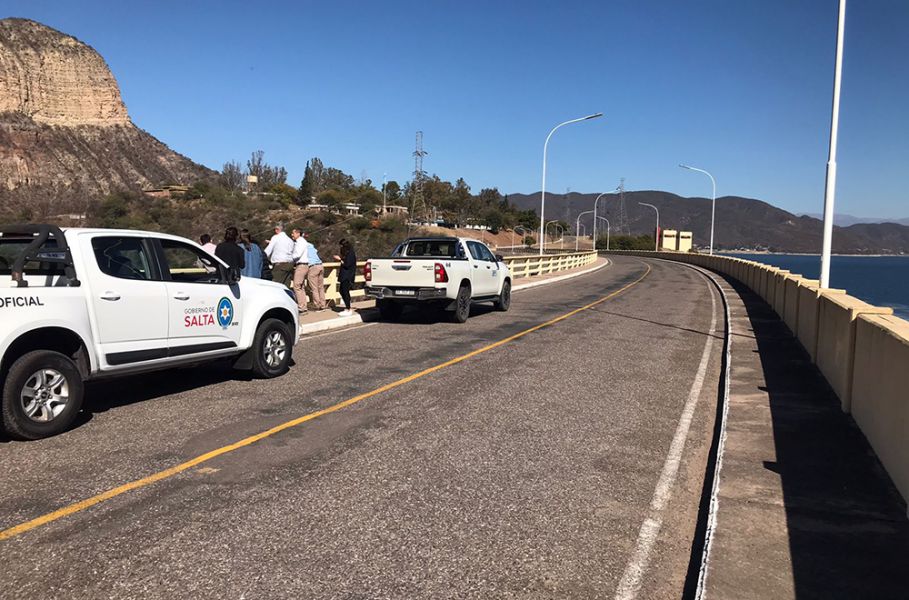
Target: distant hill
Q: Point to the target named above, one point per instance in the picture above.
(741, 223)
(844, 220)
(65, 134)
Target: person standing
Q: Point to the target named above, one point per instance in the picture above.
(301, 269)
(346, 274)
(253, 256)
(316, 278)
(230, 252)
(280, 252)
(207, 244)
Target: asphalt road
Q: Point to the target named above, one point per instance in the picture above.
(524, 471)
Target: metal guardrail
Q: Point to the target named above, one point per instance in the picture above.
(521, 266)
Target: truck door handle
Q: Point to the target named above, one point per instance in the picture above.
(110, 296)
(476, 266)
(181, 296)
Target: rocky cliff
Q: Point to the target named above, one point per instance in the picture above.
(64, 130)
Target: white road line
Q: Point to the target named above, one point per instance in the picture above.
(630, 584)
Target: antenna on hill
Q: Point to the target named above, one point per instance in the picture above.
(622, 224)
(418, 205)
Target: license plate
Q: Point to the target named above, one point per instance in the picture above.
(405, 293)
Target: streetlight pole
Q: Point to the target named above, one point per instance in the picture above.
(830, 186)
(607, 234)
(595, 202)
(384, 184)
(577, 225)
(713, 206)
(577, 238)
(656, 234)
(543, 187)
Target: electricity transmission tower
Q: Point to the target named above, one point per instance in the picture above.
(417, 204)
(622, 225)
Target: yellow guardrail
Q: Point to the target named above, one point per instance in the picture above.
(520, 266)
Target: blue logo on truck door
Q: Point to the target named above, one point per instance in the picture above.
(225, 312)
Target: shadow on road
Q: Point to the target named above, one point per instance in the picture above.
(848, 531)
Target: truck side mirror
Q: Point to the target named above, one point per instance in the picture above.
(233, 275)
(500, 258)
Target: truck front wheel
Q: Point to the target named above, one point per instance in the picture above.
(272, 349)
(42, 395)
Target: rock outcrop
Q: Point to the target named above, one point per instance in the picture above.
(64, 129)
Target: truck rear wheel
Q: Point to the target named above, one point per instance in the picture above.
(462, 304)
(389, 310)
(272, 348)
(42, 395)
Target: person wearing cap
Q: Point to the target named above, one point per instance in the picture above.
(280, 252)
(315, 277)
(301, 268)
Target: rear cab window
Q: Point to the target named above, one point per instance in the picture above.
(123, 257)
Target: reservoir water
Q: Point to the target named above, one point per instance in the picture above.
(878, 280)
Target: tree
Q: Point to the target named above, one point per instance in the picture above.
(232, 176)
(392, 192)
(267, 174)
(494, 219)
(307, 186)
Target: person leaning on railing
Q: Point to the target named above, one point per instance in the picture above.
(280, 251)
(315, 277)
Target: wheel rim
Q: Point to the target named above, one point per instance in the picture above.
(44, 395)
(275, 349)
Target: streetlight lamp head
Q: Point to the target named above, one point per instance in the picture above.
(684, 166)
(594, 116)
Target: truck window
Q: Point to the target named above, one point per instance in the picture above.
(189, 264)
(122, 257)
(433, 248)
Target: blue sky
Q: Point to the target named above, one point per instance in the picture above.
(741, 88)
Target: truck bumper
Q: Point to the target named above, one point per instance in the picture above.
(386, 293)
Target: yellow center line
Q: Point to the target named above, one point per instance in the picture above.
(166, 473)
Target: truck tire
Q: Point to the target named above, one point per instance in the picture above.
(389, 310)
(272, 348)
(42, 395)
(462, 304)
(503, 302)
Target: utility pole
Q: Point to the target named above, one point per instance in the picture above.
(418, 206)
(622, 217)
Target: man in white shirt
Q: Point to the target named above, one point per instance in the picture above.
(280, 252)
(301, 269)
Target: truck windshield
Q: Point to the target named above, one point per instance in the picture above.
(11, 248)
(434, 248)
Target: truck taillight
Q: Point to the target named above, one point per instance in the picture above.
(441, 274)
(367, 272)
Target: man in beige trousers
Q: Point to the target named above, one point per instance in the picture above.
(301, 269)
(316, 278)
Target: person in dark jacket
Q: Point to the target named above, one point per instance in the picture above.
(230, 252)
(346, 274)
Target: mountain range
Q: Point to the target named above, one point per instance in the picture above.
(741, 223)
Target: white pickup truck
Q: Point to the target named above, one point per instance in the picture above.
(81, 304)
(445, 272)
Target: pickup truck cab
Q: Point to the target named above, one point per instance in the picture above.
(446, 272)
(82, 304)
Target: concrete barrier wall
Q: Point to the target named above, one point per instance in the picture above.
(861, 349)
(837, 313)
(880, 391)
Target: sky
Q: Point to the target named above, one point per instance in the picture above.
(741, 88)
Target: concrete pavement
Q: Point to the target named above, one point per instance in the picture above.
(526, 470)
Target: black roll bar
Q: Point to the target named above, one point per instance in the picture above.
(59, 255)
